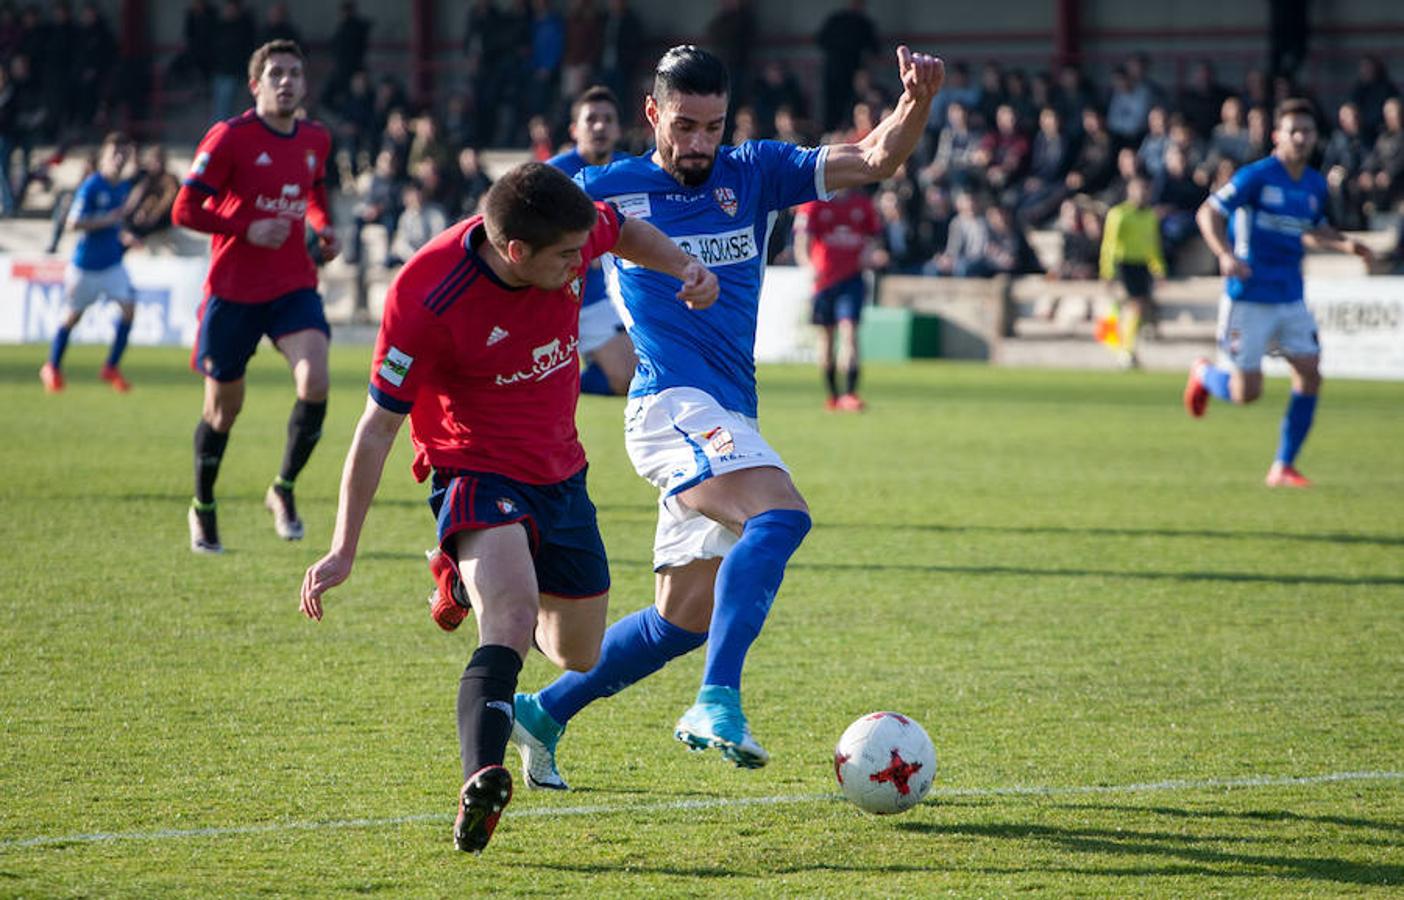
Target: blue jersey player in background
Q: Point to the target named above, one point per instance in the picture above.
(96, 271)
(729, 517)
(604, 344)
(1257, 226)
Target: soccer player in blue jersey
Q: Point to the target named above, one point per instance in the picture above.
(1257, 226)
(729, 517)
(96, 271)
(604, 343)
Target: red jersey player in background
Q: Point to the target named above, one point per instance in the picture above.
(255, 184)
(479, 346)
(835, 237)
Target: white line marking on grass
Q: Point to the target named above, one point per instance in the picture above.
(1250, 781)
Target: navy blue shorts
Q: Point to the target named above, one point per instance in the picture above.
(559, 520)
(840, 302)
(230, 332)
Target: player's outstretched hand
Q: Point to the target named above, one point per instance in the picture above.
(269, 233)
(322, 576)
(699, 286)
(1231, 266)
(1362, 250)
(922, 74)
(329, 244)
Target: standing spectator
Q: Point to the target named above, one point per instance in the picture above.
(1342, 163)
(1288, 30)
(1382, 182)
(419, 222)
(1256, 92)
(731, 36)
(95, 53)
(488, 55)
(1127, 109)
(1138, 72)
(1371, 89)
(776, 88)
(198, 31)
(11, 33)
(1131, 251)
(231, 44)
(1017, 95)
(582, 46)
(846, 38)
(1073, 96)
(28, 121)
(1151, 153)
(547, 48)
(355, 125)
(1202, 99)
(991, 94)
(620, 44)
(379, 204)
(277, 26)
(1259, 134)
(9, 117)
(348, 48)
(153, 196)
(1230, 138)
(56, 68)
(964, 255)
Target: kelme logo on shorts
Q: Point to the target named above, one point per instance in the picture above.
(396, 366)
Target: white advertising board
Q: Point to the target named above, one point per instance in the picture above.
(1361, 325)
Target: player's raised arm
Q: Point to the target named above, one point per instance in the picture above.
(375, 435)
(887, 146)
(639, 242)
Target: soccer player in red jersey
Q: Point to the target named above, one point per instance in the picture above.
(255, 184)
(479, 346)
(835, 237)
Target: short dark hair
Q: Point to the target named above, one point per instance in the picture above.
(260, 56)
(1294, 106)
(686, 69)
(597, 94)
(536, 204)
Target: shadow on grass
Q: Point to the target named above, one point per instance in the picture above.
(1197, 859)
(1256, 815)
(1325, 537)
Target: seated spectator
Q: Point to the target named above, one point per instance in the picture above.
(1259, 134)
(964, 254)
(427, 144)
(1073, 96)
(1202, 99)
(379, 204)
(1219, 174)
(744, 127)
(1371, 89)
(991, 95)
(787, 127)
(1176, 197)
(1095, 162)
(419, 223)
(1127, 109)
(898, 237)
(354, 123)
(1007, 251)
(954, 165)
(1183, 137)
(933, 222)
(1230, 139)
(435, 187)
(1052, 157)
(776, 89)
(472, 183)
(543, 147)
(1127, 168)
(1080, 251)
(397, 139)
(1017, 96)
(1382, 179)
(1004, 152)
(153, 195)
(1151, 153)
(1342, 162)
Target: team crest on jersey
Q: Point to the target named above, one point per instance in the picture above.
(505, 506)
(726, 199)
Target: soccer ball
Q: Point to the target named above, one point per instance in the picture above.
(885, 763)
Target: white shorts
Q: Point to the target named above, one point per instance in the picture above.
(677, 439)
(598, 323)
(84, 287)
(1248, 331)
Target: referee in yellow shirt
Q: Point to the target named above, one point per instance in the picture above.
(1131, 248)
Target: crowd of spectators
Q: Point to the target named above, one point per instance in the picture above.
(1007, 151)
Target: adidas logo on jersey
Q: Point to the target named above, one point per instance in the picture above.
(264, 159)
(498, 333)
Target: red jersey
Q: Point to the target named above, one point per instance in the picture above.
(837, 231)
(489, 374)
(245, 171)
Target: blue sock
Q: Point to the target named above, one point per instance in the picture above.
(1216, 381)
(1301, 408)
(594, 380)
(633, 648)
(119, 343)
(59, 346)
(747, 582)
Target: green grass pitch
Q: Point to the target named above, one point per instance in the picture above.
(1144, 672)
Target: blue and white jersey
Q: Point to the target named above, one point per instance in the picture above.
(96, 196)
(724, 224)
(571, 162)
(1268, 212)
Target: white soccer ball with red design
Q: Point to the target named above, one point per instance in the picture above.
(885, 763)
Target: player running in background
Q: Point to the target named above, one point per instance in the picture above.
(256, 179)
(1131, 249)
(479, 347)
(729, 517)
(835, 238)
(1257, 225)
(605, 345)
(96, 271)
